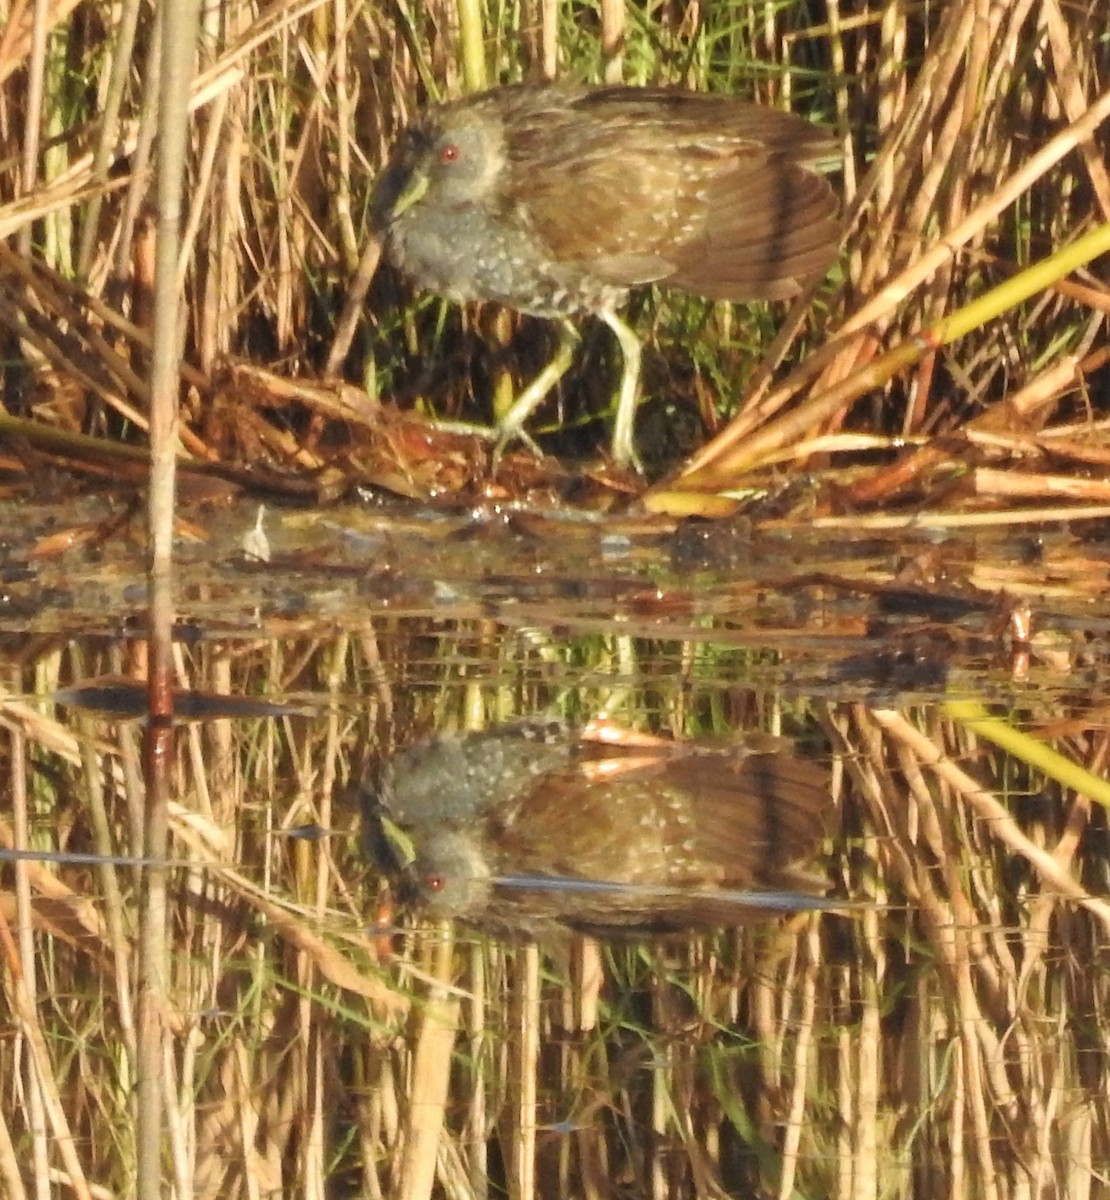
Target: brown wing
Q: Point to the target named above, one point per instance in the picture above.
(702, 192)
(571, 825)
(758, 817)
(772, 225)
(676, 846)
(696, 820)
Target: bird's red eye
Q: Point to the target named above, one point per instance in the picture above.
(434, 883)
(449, 153)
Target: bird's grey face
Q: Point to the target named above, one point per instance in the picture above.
(449, 877)
(450, 157)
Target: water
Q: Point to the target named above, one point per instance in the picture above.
(945, 1032)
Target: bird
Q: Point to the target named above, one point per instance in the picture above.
(556, 199)
(535, 826)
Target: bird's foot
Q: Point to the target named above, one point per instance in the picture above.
(509, 431)
(502, 435)
(511, 425)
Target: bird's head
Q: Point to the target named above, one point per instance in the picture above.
(449, 876)
(452, 155)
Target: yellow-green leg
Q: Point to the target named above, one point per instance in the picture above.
(511, 425)
(624, 449)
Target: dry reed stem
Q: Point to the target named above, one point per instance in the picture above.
(951, 923)
(477, 1038)
(63, 299)
(804, 1025)
(61, 195)
(987, 808)
(431, 1073)
(975, 955)
(845, 1092)
(229, 280)
(967, 945)
(989, 482)
(1026, 518)
(28, 964)
(725, 459)
(658, 1184)
(115, 918)
(1078, 133)
(23, 33)
(958, 1124)
(177, 36)
(1029, 1111)
(870, 1065)
(10, 1175)
(209, 843)
(613, 25)
(970, 1025)
(1073, 98)
(524, 1070)
(589, 974)
(41, 1074)
(1064, 854)
(867, 1059)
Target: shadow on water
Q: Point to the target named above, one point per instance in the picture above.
(929, 1022)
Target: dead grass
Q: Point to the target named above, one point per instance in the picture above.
(948, 1041)
(951, 1033)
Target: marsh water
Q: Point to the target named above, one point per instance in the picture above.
(942, 1034)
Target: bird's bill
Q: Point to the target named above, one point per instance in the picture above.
(412, 193)
(399, 842)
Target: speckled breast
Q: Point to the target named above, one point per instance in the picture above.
(465, 255)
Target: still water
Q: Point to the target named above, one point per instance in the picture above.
(927, 1019)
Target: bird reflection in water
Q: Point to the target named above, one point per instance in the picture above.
(533, 826)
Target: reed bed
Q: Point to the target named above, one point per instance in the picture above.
(945, 1039)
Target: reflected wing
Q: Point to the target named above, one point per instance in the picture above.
(699, 820)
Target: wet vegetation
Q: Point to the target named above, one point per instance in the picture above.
(890, 549)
